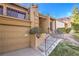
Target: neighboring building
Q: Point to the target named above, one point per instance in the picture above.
(15, 24)
(59, 24)
(63, 22)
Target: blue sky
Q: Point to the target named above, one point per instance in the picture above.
(57, 10)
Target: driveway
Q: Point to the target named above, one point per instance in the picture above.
(67, 37)
(23, 52)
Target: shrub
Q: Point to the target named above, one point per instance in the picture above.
(35, 30)
(68, 30)
(75, 27)
(63, 30)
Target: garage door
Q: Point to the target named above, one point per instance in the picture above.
(13, 37)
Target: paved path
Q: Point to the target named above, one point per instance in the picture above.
(67, 37)
(70, 37)
(23, 52)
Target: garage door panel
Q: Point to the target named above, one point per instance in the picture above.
(13, 37)
(20, 44)
(9, 42)
(12, 47)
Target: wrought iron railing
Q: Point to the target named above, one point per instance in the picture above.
(53, 36)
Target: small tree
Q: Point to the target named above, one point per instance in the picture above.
(75, 19)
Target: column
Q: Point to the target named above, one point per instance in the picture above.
(4, 9)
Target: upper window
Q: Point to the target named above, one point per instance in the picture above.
(1, 10)
(16, 13)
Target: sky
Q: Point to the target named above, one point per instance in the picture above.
(56, 10)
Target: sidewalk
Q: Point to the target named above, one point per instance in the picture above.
(70, 37)
(23, 52)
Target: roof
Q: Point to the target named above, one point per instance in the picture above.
(19, 5)
(44, 16)
(41, 15)
(64, 19)
(52, 18)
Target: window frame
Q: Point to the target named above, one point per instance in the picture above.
(17, 12)
(1, 13)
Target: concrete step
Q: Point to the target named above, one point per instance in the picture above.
(48, 43)
(51, 43)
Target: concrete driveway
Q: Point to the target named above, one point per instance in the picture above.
(23, 52)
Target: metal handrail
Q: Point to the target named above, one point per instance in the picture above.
(45, 44)
(47, 48)
(51, 45)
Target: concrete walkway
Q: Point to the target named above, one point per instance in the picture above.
(23, 52)
(70, 38)
(67, 37)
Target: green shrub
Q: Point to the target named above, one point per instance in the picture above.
(36, 30)
(76, 36)
(68, 30)
(75, 27)
(63, 30)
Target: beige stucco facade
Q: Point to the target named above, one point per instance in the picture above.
(14, 32)
(60, 24)
(63, 23)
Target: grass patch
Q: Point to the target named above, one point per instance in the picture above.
(65, 49)
(76, 36)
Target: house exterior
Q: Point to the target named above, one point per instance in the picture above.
(15, 24)
(59, 24)
(63, 22)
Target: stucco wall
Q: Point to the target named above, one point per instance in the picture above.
(35, 42)
(40, 40)
(13, 21)
(44, 24)
(59, 24)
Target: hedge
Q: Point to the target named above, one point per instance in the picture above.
(75, 27)
(63, 30)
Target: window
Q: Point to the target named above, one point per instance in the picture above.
(1, 10)
(15, 13)
(21, 15)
